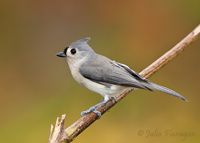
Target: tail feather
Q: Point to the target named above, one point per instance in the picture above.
(163, 89)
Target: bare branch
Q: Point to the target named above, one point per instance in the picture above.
(79, 126)
(59, 133)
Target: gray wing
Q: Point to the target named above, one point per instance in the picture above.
(112, 73)
(130, 71)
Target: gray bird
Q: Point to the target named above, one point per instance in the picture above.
(104, 76)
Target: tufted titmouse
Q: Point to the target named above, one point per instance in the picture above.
(103, 75)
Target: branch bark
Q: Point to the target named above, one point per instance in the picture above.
(59, 133)
(79, 126)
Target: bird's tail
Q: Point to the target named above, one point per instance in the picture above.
(163, 89)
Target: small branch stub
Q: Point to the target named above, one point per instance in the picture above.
(59, 135)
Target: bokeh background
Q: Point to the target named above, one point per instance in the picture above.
(36, 86)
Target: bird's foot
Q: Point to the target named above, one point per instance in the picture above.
(92, 109)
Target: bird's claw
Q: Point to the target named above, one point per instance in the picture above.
(113, 98)
(92, 109)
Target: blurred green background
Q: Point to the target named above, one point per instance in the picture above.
(36, 86)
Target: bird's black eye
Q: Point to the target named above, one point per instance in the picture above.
(73, 51)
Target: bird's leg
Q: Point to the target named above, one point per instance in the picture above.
(92, 109)
(102, 99)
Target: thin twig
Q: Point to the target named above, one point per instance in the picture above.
(182, 45)
(79, 126)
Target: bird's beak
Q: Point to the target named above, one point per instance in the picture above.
(61, 54)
